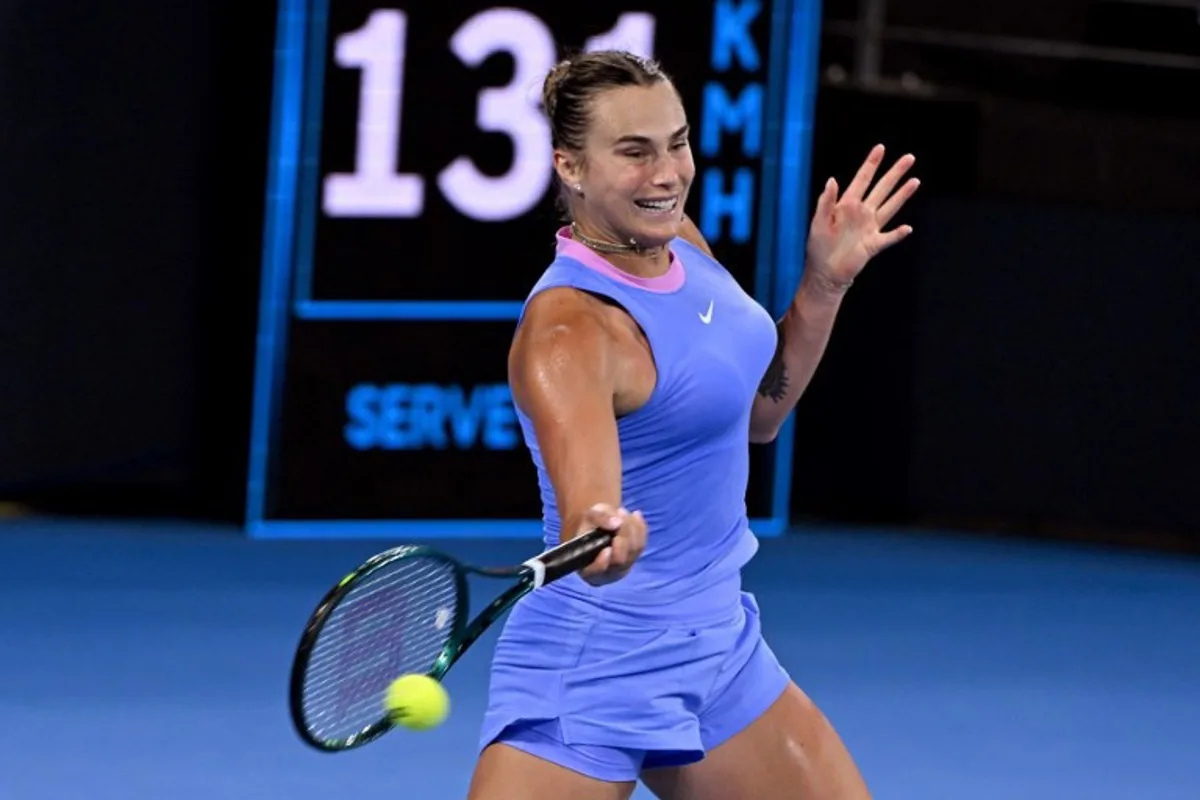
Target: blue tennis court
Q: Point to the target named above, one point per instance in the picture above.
(149, 660)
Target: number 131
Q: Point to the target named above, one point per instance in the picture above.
(376, 187)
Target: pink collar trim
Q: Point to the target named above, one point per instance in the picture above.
(670, 281)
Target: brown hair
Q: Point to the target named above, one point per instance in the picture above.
(570, 87)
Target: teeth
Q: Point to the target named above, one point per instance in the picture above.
(658, 205)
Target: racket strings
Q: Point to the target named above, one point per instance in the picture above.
(395, 621)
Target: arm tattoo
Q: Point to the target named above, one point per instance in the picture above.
(775, 380)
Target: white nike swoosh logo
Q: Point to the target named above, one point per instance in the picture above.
(706, 317)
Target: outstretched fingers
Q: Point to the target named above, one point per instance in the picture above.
(866, 173)
(882, 191)
(894, 203)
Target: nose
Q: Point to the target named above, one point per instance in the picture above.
(666, 173)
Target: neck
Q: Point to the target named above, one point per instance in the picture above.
(628, 256)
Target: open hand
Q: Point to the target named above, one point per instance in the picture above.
(847, 232)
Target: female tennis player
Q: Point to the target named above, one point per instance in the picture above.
(642, 372)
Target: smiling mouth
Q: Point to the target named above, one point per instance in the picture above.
(664, 206)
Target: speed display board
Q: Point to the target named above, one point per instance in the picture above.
(411, 208)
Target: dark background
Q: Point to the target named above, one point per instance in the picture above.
(1026, 362)
(320, 477)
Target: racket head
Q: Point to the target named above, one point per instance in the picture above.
(395, 614)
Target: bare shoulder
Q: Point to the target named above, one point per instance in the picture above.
(565, 339)
(562, 316)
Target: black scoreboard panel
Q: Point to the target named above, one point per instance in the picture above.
(412, 207)
(387, 418)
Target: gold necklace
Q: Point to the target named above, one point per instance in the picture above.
(611, 247)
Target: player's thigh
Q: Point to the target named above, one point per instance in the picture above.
(506, 773)
(791, 752)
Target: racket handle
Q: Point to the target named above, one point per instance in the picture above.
(568, 557)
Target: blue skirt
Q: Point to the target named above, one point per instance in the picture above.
(608, 695)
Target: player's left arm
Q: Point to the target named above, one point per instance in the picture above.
(845, 234)
(803, 334)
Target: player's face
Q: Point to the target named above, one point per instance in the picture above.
(637, 165)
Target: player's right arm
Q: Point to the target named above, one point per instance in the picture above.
(562, 371)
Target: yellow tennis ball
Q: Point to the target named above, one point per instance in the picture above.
(417, 702)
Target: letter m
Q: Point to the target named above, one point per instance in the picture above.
(721, 114)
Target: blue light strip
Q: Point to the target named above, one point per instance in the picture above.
(799, 106)
(398, 530)
(775, 180)
(459, 310)
(277, 242)
(313, 66)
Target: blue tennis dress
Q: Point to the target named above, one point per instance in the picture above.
(665, 664)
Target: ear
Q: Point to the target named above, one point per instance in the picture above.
(569, 168)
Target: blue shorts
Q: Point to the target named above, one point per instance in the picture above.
(609, 697)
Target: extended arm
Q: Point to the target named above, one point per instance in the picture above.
(561, 371)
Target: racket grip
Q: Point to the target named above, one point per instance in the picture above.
(568, 557)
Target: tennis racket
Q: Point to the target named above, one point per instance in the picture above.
(401, 611)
